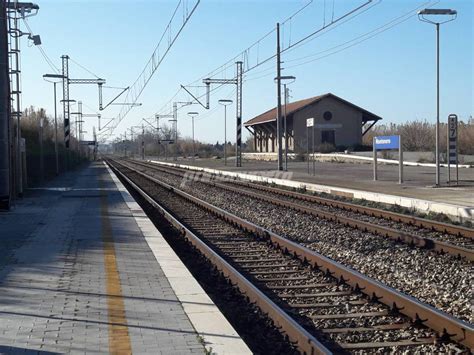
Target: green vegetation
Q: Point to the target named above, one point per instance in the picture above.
(30, 131)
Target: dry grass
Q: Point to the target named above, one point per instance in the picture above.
(420, 135)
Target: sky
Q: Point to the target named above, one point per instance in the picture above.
(391, 73)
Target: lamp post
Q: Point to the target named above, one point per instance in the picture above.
(287, 79)
(225, 103)
(192, 115)
(61, 77)
(421, 16)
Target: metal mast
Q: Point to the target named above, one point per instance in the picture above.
(175, 119)
(279, 123)
(238, 105)
(15, 96)
(143, 141)
(66, 102)
(16, 10)
(6, 180)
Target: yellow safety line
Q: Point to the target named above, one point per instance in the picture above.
(119, 339)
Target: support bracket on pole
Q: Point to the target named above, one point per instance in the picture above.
(197, 100)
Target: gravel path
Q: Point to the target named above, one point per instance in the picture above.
(440, 280)
(412, 229)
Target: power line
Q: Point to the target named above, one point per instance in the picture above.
(212, 111)
(359, 39)
(330, 24)
(331, 27)
(244, 55)
(154, 62)
(90, 108)
(83, 67)
(392, 23)
(241, 55)
(42, 51)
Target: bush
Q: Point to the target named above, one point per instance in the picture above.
(387, 154)
(362, 148)
(300, 156)
(326, 148)
(419, 136)
(30, 132)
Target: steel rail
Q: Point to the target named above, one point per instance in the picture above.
(392, 233)
(304, 341)
(370, 211)
(446, 325)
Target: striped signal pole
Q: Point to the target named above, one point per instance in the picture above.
(238, 145)
(66, 103)
(143, 141)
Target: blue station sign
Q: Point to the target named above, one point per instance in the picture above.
(387, 142)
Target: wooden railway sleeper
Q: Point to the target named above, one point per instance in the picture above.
(458, 330)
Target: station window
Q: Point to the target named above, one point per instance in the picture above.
(327, 115)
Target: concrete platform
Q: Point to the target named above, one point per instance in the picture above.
(355, 180)
(83, 270)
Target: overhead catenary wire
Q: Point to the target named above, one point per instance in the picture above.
(243, 55)
(359, 39)
(169, 102)
(41, 49)
(333, 27)
(90, 108)
(153, 63)
(347, 44)
(231, 62)
(340, 18)
(340, 47)
(216, 108)
(83, 67)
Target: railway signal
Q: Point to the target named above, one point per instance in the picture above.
(452, 146)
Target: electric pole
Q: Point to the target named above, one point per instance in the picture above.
(6, 180)
(143, 141)
(237, 81)
(279, 123)
(66, 101)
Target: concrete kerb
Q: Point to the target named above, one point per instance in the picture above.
(337, 157)
(218, 334)
(454, 212)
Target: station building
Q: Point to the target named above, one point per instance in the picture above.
(336, 121)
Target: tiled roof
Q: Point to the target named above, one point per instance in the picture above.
(292, 107)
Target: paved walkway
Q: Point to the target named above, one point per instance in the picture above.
(77, 275)
(418, 180)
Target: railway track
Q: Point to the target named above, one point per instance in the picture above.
(441, 237)
(319, 304)
(442, 281)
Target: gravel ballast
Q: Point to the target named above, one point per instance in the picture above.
(442, 281)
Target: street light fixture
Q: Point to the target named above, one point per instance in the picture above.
(286, 79)
(193, 114)
(421, 17)
(48, 78)
(225, 103)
